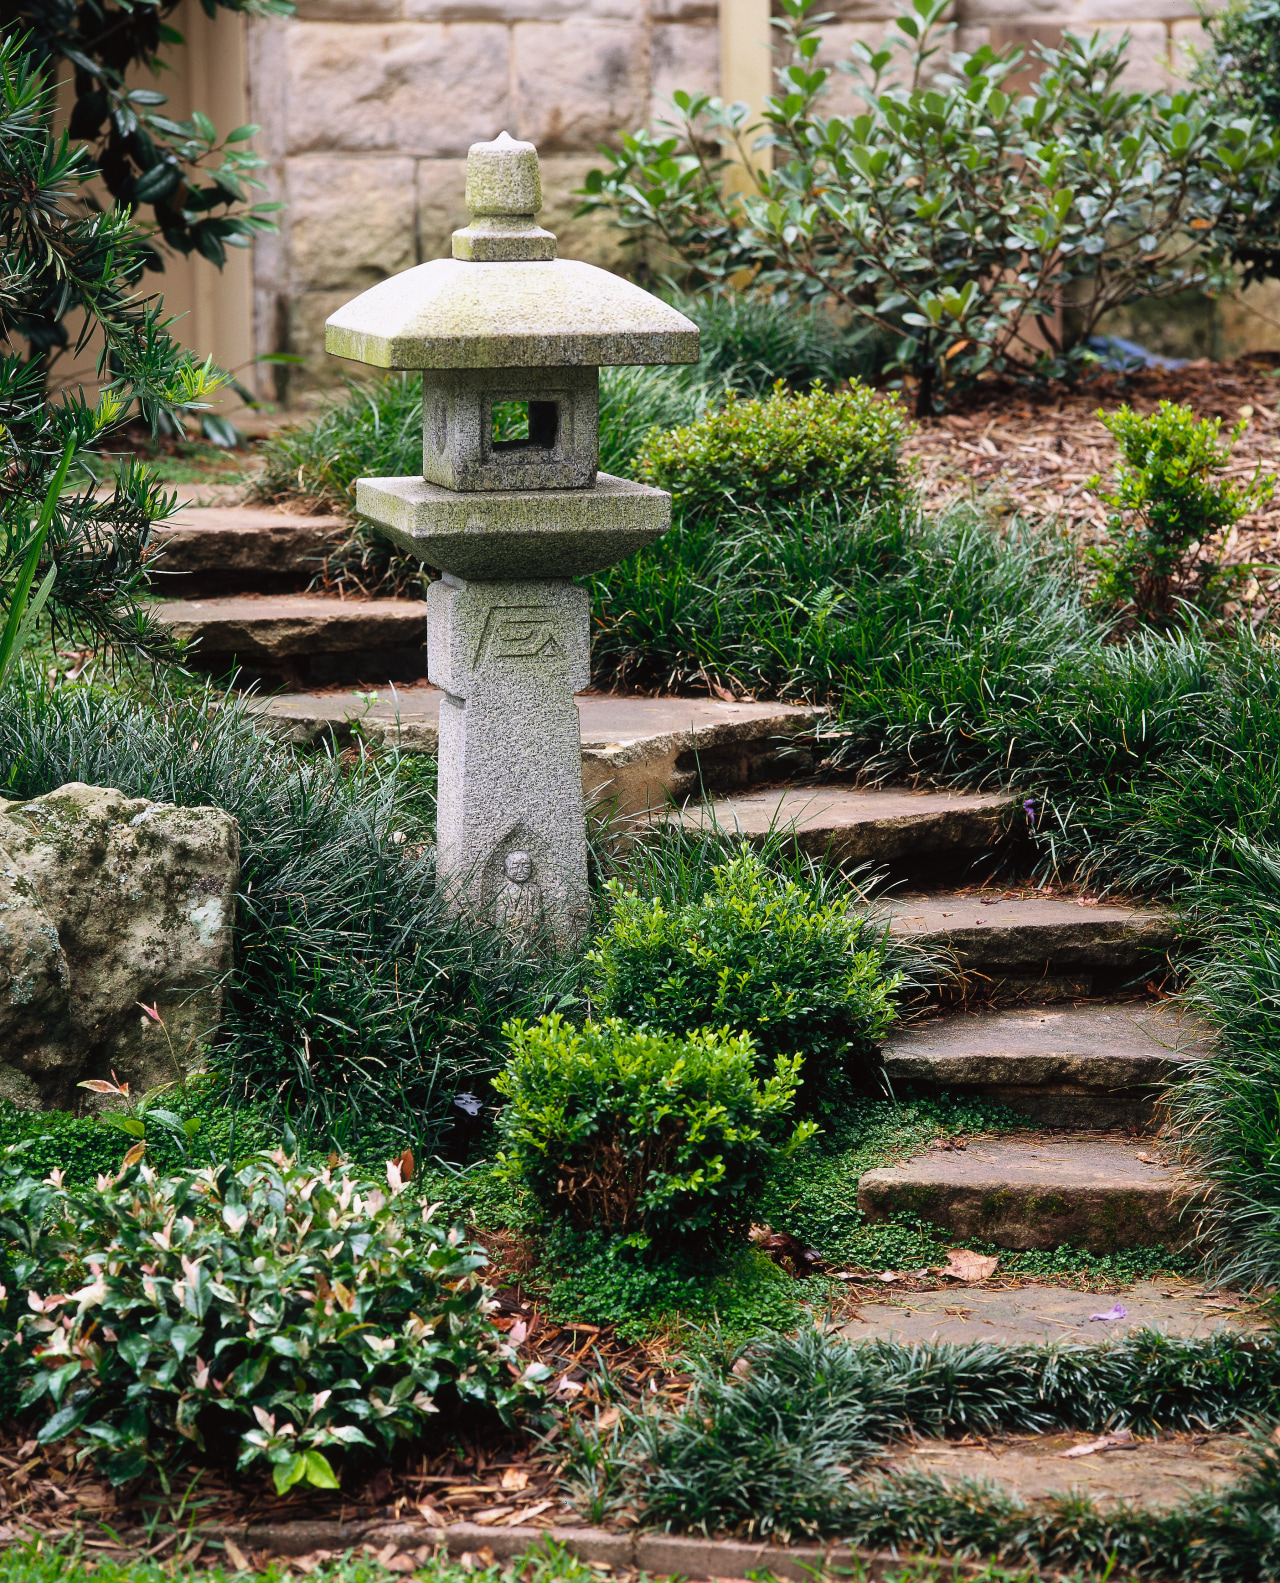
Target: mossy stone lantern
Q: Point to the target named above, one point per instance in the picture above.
(509, 523)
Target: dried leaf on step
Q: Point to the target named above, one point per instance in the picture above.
(1117, 1440)
(888, 1276)
(962, 1265)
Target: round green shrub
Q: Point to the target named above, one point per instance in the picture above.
(274, 1314)
(782, 448)
(756, 951)
(655, 1139)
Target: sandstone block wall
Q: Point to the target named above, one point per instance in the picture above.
(368, 107)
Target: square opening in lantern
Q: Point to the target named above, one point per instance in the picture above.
(527, 428)
(525, 425)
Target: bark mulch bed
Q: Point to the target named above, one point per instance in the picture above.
(1035, 452)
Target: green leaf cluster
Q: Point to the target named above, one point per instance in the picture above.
(659, 1140)
(270, 1313)
(1169, 501)
(780, 449)
(955, 215)
(756, 952)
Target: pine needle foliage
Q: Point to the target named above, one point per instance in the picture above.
(61, 257)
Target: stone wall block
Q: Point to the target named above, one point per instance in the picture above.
(1187, 38)
(351, 219)
(410, 88)
(107, 903)
(682, 55)
(628, 11)
(441, 209)
(347, 10)
(578, 85)
(1078, 16)
(843, 96)
(307, 312)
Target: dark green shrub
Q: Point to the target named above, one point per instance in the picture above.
(756, 952)
(782, 448)
(938, 214)
(271, 1313)
(1169, 503)
(658, 1140)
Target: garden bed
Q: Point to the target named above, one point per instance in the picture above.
(1034, 452)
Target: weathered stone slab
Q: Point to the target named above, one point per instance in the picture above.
(514, 533)
(986, 933)
(1068, 1066)
(510, 823)
(301, 637)
(107, 903)
(879, 824)
(212, 549)
(636, 752)
(1038, 1315)
(1099, 1194)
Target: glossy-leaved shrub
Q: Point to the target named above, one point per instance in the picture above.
(1169, 509)
(271, 1314)
(659, 1140)
(782, 448)
(803, 974)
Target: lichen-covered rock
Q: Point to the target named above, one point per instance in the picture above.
(108, 904)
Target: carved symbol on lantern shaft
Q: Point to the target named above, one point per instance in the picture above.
(519, 632)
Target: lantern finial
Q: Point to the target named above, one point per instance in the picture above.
(504, 195)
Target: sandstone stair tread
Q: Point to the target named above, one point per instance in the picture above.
(1105, 1046)
(1013, 931)
(208, 538)
(295, 623)
(1038, 1313)
(1019, 1191)
(878, 823)
(606, 720)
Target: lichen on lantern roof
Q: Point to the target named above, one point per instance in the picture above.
(455, 314)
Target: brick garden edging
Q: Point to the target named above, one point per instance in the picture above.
(661, 1555)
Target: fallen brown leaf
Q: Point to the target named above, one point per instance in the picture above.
(888, 1276)
(526, 1514)
(1117, 1440)
(962, 1265)
(516, 1478)
(236, 1555)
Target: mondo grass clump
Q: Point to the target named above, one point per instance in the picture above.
(772, 1437)
(357, 1006)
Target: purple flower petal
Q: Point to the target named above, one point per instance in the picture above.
(1118, 1312)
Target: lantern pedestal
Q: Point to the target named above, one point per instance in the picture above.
(509, 657)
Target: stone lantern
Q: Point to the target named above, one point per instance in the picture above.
(509, 523)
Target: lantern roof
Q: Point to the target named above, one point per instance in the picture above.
(504, 300)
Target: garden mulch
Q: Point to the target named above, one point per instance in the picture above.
(1037, 452)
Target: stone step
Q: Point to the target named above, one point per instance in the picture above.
(1066, 1066)
(1031, 947)
(1101, 1194)
(635, 751)
(924, 834)
(301, 639)
(204, 551)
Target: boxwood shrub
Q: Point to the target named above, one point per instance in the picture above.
(757, 952)
(661, 1141)
(267, 1314)
(782, 448)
